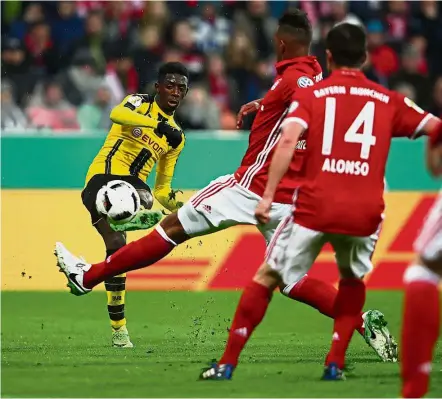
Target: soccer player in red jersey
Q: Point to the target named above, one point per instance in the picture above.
(422, 311)
(231, 200)
(347, 123)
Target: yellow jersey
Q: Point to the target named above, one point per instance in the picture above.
(133, 146)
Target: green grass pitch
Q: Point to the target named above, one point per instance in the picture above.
(57, 345)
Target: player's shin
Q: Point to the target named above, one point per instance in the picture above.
(136, 255)
(348, 305)
(116, 293)
(250, 311)
(420, 329)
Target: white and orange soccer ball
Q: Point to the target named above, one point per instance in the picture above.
(118, 200)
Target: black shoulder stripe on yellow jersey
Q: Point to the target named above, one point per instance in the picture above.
(149, 108)
(139, 162)
(174, 138)
(112, 152)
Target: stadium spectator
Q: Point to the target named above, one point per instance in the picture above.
(397, 22)
(429, 24)
(156, 13)
(119, 21)
(68, 27)
(192, 58)
(16, 69)
(33, 13)
(147, 55)
(407, 90)
(80, 80)
(241, 57)
(95, 114)
(198, 110)
(212, 31)
(50, 109)
(257, 23)
(339, 13)
(94, 40)
(383, 57)
(121, 73)
(222, 88)
(436, 107)
(44, 56)
(411, 75)
(12, 115)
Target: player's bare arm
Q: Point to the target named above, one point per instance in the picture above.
(281, 160)
(434, 149)
(245, 110)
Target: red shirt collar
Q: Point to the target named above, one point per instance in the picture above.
(357, 73)
(282, 65)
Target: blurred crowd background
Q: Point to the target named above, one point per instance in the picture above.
(66, 64)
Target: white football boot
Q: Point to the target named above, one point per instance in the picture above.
(73, 268)
(378, 336)
(120, 338)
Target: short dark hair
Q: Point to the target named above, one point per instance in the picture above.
(172, 67)
(347, 44)
(296, 23)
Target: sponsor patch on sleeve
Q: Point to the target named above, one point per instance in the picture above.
(304, 82)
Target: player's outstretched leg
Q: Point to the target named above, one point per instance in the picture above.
(82, 277)
(420, 328)
(372, 324)
(250, 311)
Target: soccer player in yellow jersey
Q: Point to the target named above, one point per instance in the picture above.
(144, 133)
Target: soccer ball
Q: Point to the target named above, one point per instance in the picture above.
(118, 200)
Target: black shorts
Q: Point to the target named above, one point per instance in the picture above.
(89, 194)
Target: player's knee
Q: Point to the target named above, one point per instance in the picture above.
(267, 277)
(434, 264)
(419, 271)
(173, 228)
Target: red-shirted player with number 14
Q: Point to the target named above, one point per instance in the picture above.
(348, 123)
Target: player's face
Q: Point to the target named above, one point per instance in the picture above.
(171, 91)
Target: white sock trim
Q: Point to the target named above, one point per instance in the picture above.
(164, 235)
(421, 273)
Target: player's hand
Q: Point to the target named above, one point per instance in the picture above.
(262, 211)
(245, 110)
(165, 129)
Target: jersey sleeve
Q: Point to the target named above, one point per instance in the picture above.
(293, 82)
(409, 118)
(134, 102)
(129, 113)
(299, 110)
(163, 181)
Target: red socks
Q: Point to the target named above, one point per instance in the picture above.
(136, 255)
(250, 311)
(348, 305)
(420, 331)
(319, 295)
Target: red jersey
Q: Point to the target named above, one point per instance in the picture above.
(350, 122)
(292, 74)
